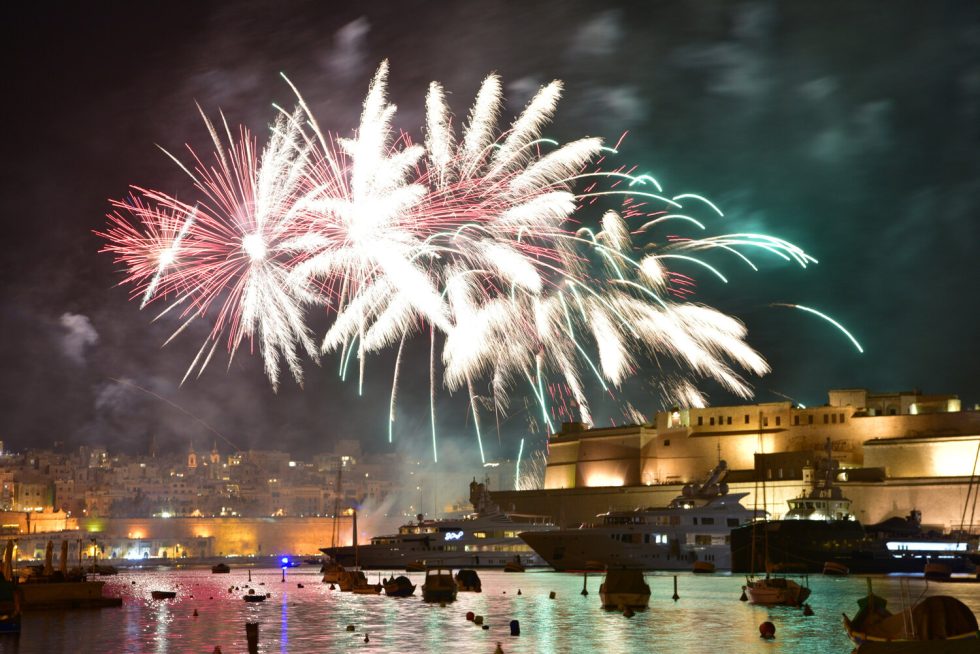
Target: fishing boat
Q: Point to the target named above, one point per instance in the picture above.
(694, 527)
(220, 568)
(624, 589)
(439, 585)
(163, 594)
(775, 591)
(331, 571)
(935, 618)
(400, 586)
(467, 581)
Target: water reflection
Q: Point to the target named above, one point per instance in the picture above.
(707, 618)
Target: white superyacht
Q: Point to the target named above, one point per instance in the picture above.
(692, 532)
(487, 538)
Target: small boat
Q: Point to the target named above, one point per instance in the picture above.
(104, 570)
(439, 585)
(623, 589)
(937, 571)
(9, 608)
(468, 581)
(772, 591)
(703, 567)
(220, 569)
(253, 596)
(313, 561)
(332, 571)
(369, 589)
(415, 566)
(514, 566)
(835, 569)
(400, 586)
(935, 618)
(162, 594)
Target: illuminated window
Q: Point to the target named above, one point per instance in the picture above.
(479, 534)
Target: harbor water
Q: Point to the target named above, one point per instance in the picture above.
(707, 618)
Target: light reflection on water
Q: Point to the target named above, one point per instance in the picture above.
(708, 617)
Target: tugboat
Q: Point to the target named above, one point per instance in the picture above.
(439, 585)
(624, 589)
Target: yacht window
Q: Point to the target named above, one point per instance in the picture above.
(733, 522)
(695, 520)
(675, 519)
(702, 539)
(707, 521)
(479, 534)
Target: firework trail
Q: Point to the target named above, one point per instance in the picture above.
(477, 234)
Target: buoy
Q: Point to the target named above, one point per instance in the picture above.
(268, 594)
(478, 619)
(217, 649)
(743, 598)
(515, 628)
(585, 581)
(767, 630)
(807, 609)
(486, 627)
(518, 591)
(551, 595)
(300, 586)
(211, 598)
(350, 627)
(675, 596)
(442, 604)
(499, 650)
(469, 616)
(134, 583)
(195, 613)
(628, 613)
(366, 639)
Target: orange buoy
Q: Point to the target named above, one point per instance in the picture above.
(767, 630)
(469, 616)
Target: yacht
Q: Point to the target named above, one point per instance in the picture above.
(693, 528)
(487, 538)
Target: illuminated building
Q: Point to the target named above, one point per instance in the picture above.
(897, 452)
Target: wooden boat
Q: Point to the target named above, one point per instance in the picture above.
(162, 594)
(835, 569)
(369, 589)
(253, 596)
(703, 567)
(622, 589)
(332, 571)
(935, 618)
(468, 581)
(220, 568)
(772, 591)
(9, 607)
(415, 566)
(400, 586)
(439, 585)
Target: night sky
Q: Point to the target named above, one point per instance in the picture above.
(849, 128)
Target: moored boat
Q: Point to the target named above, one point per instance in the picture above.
(332, 571)
(624, 589)
(703, 567)
(835, 569)
(163, 594)
(220, 568)
(775, 591)
(400, 586)
(937, 571)
(467, 581)
(935, 618)
(253, 596)
(514, 566)
(439, 585)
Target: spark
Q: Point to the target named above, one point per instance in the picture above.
(824, 316)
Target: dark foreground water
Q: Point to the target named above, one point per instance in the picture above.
(708, 617)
